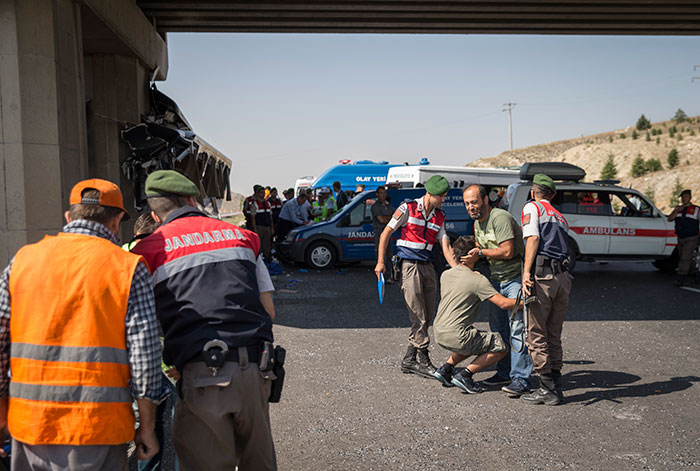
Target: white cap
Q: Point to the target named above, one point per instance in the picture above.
(325, 190)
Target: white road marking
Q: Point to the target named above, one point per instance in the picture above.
(691, 289)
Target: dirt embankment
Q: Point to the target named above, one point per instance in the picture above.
(591, 153)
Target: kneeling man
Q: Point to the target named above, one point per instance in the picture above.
(461, 291)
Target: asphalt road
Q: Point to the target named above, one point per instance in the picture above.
(632, 367)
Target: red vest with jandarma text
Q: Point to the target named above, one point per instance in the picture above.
(205, 284)
(418, 235)
(70, 371)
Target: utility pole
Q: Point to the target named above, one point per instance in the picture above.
(509, 108)
(694, 69)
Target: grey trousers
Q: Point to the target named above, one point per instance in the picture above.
(419, 287)
(265, 235)
(223, 421)
(545, 321)
(69, 457)
(686, 249)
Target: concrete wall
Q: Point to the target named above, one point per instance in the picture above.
(43, 141)
(51, 77)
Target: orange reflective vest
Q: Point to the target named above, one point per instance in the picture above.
(69, 363)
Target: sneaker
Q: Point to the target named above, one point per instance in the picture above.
(517, 388)
(496, 380)
(444, 376)
(466, 384)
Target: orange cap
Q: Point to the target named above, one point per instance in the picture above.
(110, 194)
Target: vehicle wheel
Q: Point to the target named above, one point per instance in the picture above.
(668, 264)
(573, 254)
(320, 255)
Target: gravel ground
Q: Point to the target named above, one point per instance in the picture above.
(632, 364)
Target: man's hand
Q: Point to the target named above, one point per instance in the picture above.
(528, 284)
(379, 269)
(473, 254)
(146, 444)
(173, 374)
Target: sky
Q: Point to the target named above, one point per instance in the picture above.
(283, 106)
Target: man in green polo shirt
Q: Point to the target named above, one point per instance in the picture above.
(499, 239)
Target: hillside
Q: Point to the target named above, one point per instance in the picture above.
(591, 153)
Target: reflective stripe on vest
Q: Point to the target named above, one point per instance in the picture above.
(418, 235)
(323, 209)
(554, 231)
(69, 363)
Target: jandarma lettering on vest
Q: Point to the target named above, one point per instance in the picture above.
(200, 238)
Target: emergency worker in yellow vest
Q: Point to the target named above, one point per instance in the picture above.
(324, 207)
(143, 227)
(422, 223)
(79, 334)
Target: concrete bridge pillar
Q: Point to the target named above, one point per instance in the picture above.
(43, 142)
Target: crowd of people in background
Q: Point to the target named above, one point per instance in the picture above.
(272, 218)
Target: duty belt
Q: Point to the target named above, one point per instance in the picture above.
(232, 355)
(557, 266)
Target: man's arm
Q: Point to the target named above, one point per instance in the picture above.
(531, 245)
(144, 352)
(381, 250)
(4, 353)
(447, 251)
(504, 251)
(268, 304)
(671, 217)
(265, 286)
(502, 302)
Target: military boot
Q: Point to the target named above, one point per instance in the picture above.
(409, 364)
(425, 366)
(544, 394)
(558, 384)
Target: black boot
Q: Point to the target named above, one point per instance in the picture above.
(409, 364)
(424, 363)
(558, 388)
(544, 394)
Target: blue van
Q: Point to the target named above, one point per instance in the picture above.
(365, 172)
(349, 235)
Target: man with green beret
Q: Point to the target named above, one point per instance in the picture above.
(545, 276)
(213, 300)
(422, 223)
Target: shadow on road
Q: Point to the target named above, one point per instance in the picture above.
(616, 385)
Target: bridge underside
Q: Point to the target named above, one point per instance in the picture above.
(576, 17)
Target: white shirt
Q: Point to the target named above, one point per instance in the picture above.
(530, 220)
(263, 276)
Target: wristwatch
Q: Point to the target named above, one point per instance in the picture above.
(481, 253)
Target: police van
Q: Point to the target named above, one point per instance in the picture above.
(606, 221)
(349, 235)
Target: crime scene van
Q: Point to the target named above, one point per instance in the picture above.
(412, 176)
(350, 174)
(606, 221)
(349, 235)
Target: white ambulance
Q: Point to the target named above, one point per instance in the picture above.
(606, 221)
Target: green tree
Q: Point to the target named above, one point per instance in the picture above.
(648, 138)
(651, 194)
(672, 158)
(653, 165)
(609, 171)
(680, 137)
(639, 167)
(622, 136)
(610, 138)
(658, 141)
(676, 193)
(671, 131)
(680, 116)
(643, 123)
(635, 135)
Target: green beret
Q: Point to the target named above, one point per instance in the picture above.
(437, 185)
(543, 180)
(169, 183)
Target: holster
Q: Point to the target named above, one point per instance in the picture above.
(279, 354)
(396, 267)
